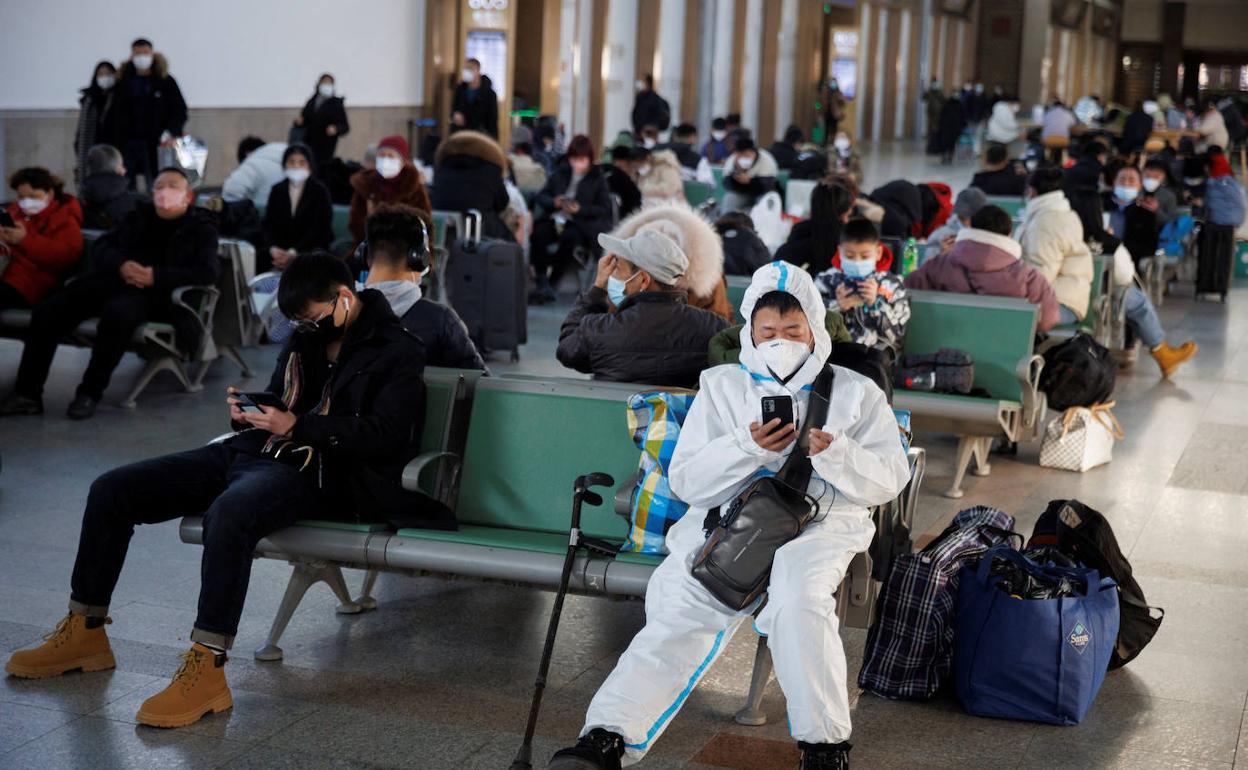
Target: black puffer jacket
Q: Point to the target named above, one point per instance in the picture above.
(654, 338)
(744, 251)
(469, 175)
(106, 200)
(444, 335)
(903, 207)
(375, 419)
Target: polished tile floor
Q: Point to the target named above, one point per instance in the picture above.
(440, 675)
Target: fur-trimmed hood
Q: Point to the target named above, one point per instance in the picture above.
(692, 232)
(472, 144)
(160, 67)
(664, 179)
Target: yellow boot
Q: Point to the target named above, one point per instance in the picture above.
(198, 688)
(71, 645)
(1169, 358)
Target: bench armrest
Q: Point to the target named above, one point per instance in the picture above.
(412, 471)
(1035, 403)
(624, 497)
(201, 303)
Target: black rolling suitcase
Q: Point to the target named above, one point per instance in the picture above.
(486, 283)
(1215, 260)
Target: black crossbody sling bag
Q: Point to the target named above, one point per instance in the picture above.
(735, 563)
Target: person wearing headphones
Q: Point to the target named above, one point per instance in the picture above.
(395, 253)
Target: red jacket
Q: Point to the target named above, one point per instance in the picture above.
(50, 250)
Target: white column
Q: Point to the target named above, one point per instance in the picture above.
(927, 30)
(723, 54)
(881, 72)
(585, 63)
(938, 72)
(786, 42)
(619, 68)
(568, 65)
(751, 68)
(903, 77)
(669, 60)
(958, 76)
(864, 47)
(1063, 66)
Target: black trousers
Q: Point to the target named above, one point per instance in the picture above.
(121, 309)
(243, 498)
(11, 298)
(551, 251)
(139, 156)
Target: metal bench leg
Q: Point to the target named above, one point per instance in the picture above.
(231, 352)
(981, 448)
(154, 367)
(752, 713)
(366, 599)
(303, 577)
(966, 449)
(333, 578)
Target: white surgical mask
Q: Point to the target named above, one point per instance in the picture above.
(1193, 181)
(783, 357)
(643, 171)
(718, 135)
(297, 176)
(32, 206)
(325, 89)
(841, 143)
(1126, 194)
(745, 162)
(648, 143)
(388, 167)
(105, 81)
(858, 268)
(143, 61)
(1151, 184)
(640, 85)
(466, 75)
(615, 288)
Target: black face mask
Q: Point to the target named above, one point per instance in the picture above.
(325, 330)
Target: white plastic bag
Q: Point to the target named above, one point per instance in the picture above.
(1081, 439)
(187, 153)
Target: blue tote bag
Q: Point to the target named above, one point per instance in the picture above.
(1040, 660)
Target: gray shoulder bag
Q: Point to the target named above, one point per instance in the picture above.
(735, 563)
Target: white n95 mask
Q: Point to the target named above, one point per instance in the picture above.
(783, 357)
(389, 168)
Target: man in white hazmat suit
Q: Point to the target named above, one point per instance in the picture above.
(858, 462)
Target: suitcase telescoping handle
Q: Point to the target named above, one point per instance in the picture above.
(472, 227)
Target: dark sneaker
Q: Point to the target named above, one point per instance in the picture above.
(824, 756)
(82, 407)
(597, 750)
(15, 405)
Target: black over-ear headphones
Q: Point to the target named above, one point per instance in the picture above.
(417, 252)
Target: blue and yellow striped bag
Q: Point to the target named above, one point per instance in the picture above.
(654, 421)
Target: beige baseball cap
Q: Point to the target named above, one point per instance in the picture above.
(651, 251)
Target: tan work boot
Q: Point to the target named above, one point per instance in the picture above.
(71, 645)
(1169, 358)
(198, 688)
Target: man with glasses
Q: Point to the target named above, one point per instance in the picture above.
(343, 414)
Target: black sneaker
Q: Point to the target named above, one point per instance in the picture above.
(597, 750)
(82, 407)
(824, 756)
(16, 405)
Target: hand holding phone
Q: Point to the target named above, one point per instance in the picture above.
(778, 407)
(251, 402)
(6, 220)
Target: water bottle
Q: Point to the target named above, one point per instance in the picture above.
(910, 256)
(922, 381)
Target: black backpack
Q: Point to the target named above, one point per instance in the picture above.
(872, 363)
(1078, 372)
(1084, 535)
(810, 164)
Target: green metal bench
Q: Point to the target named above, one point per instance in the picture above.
(737, 284)
(999, 333)
(1013, 205)
(698, 193)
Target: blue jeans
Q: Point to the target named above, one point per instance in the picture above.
(242, 499)
(1141, 316)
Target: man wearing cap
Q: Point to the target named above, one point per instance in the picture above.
(159, 247)
(941, 240)
(633, 325)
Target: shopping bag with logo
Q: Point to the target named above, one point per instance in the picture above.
(1082, 438)
(1038, 659)
(654, 421)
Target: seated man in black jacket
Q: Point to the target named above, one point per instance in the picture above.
(105, 194)
(621, 174)
(1001, 176)
(347, 405)
(632, 325)
(397, 256)
(161, 246)
(785, 150)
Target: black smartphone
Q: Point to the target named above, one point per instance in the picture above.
(251, 402)
(6, 220)
(778, 406)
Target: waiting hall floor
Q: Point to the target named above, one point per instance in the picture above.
(440, 675)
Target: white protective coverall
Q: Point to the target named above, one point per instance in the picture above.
(715, 457)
